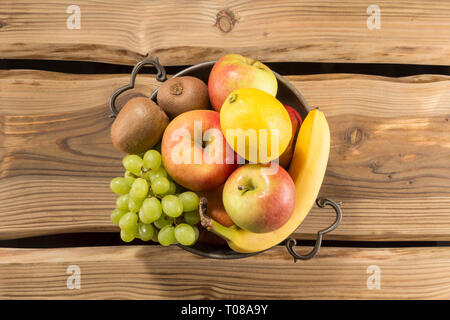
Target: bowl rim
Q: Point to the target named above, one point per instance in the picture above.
(232, 254)
(279, 77)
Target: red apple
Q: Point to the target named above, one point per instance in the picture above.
(194, 151)
(296, 119)
(234, 71)
(259, 200)
(215, 207)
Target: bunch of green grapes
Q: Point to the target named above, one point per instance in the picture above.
(149, 207)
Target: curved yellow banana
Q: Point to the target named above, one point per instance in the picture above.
(307, 170)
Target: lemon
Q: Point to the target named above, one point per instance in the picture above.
(255, 124)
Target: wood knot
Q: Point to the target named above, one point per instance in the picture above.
(225, 20)
(408, 157)
(2, 24)
(375, 165)
(354, 136)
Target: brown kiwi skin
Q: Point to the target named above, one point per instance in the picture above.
(138, 126)
(182, 94)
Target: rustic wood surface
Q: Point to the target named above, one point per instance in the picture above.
(188, 32)
(388, 164)
(336, 273)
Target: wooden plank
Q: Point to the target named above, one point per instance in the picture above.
(187, 32)
(155, 272)
(388, 163)
(389, 160)
(57, 156)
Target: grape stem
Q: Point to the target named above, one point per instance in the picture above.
(155, 195)
(144, 171)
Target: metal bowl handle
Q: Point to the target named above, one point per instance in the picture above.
(160, 76)
(291, 242)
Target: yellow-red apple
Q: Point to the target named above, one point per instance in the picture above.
(259, 200)
(234, 71)
(194, 151)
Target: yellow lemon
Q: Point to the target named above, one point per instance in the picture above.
(255, 124)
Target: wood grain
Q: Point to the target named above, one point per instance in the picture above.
(389, 160)
(154, 272)
(185, 32)
(388, 163)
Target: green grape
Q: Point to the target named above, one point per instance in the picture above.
(166, 235)
(128, 220)
(160, 185)
(185, 234)
(119, 186)
(139, 189)
(128, 235)
(158, 173)
(146, 231)
(140, 212)
(135, 229)
(172, 188)
(134, 204)
(147, 175)
(152, 159)
(129, 178)
(197, 232)
(122, 202)
(133, 163)
(190, 201)
(163, 221)
(192, 217)
(172, 206)
(116, 214)
(161, 172)
(155, 235)
(151, 210)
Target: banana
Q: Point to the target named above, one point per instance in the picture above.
(307, 170)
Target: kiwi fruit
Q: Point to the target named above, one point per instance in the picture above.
(182, 94)
(138, 126)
